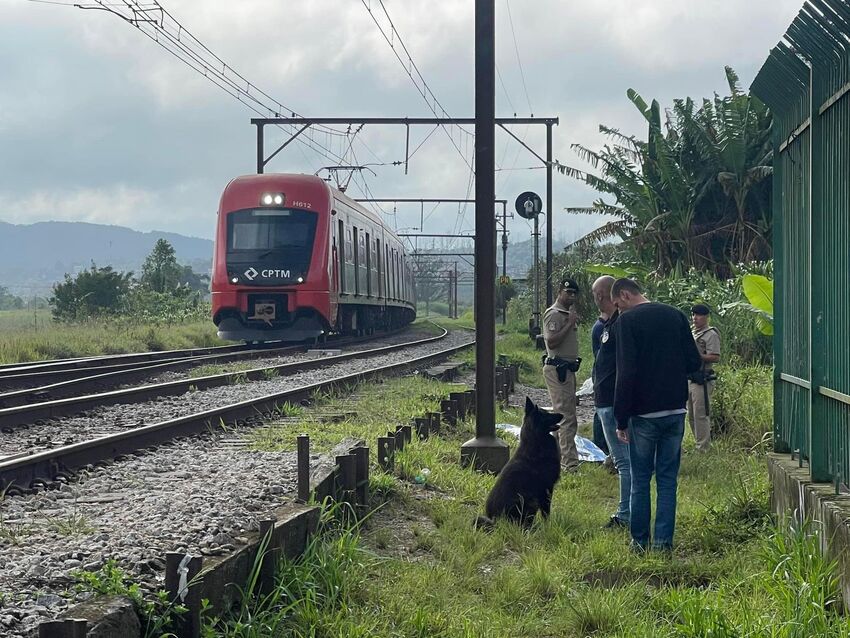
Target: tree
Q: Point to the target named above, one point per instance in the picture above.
(191, 280)
(8, 301)
(431, 279)
(92, 292)
(161, 272)
(696, 193)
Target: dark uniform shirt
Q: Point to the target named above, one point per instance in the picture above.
(605, 365)
(596, 334)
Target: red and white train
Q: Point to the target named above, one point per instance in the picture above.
(295, 259)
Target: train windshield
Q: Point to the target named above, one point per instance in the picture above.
(270, 246)
(271, 229)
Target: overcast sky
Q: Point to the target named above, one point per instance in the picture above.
(100, 124)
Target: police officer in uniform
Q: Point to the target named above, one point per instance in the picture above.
(560, 332)
(701, 383)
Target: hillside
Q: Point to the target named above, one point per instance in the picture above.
(34, 256)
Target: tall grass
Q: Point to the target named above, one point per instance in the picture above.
(420, 568)
(312, 593)
(742, 404)
(21, 339)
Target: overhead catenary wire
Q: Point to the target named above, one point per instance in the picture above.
(156, 23)
(410, 67)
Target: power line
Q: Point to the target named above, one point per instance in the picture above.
(410, 67)
(157, 24)
(519, 61)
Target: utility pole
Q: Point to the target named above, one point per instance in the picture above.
(549, 211)
(504, 260)
(485, 452)
(536, 313)
(454, 295)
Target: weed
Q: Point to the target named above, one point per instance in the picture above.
(10, 532)
(74, 524)
(111, 580)
(239, 378)
(289, 409)
(270, 373)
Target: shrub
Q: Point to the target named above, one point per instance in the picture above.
(92, 292)
(742, 404)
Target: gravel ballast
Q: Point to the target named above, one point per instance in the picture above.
(198, 495)
(106, 420)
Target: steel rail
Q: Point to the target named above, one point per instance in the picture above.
(54, 378)
(19, 415)
(41, 386)
(22, 471)
(93, 362)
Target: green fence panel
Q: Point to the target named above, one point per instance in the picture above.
(806, 83)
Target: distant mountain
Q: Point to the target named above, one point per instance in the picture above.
(34, 256)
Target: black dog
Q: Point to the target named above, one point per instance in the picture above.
(525, 484)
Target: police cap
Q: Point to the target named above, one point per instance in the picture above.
(569, 284)
(700, 309)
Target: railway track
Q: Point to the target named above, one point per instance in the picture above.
(62, 399)
(36, 387)
(35, 376)
(30, 467)
(81, 363)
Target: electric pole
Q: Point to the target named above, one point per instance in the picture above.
(485, 452)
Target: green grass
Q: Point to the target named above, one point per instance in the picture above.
(732, 573)
(23, 338)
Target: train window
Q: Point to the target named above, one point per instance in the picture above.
(262, 230)
(349, 247)
(361, 249)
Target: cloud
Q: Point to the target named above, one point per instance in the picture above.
(117, 205)
(96, 110)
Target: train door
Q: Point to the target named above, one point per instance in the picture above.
(387, 288)
(349, 262)
(373, 268)
(368, 266)
(339, 247)
(362, 270)
(378, 268)
(356, 262)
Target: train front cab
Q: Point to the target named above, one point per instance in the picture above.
(271, 279)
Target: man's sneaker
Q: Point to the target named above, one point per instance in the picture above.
(615, 523)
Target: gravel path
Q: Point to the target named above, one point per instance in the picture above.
(199, 495)
(110, 419)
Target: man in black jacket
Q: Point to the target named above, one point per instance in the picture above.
(655, 354)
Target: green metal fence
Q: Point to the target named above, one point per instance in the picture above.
(806, 83)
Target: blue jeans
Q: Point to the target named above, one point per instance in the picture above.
(619, 452)
(655, 445)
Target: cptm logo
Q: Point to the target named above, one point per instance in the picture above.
(251, 274)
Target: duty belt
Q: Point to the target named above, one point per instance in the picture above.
(562, 366)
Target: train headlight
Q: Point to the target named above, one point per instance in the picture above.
(272, 199)
(234, 280)
(301, 280)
